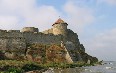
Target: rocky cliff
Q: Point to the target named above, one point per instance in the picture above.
(58, 44)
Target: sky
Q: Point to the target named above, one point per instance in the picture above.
(93, 20)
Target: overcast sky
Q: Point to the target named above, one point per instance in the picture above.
(93, 20)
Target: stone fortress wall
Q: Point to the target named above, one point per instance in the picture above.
(14, 39)
(18, 39)
(42, 38)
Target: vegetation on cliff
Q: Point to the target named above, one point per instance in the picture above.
(30, 49)
(13, 66)
(40, 56)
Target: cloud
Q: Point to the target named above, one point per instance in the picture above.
(104, 44)
(111, 2)
(79, 16)
(8, 21)
(43, 17)
(29, 13)
(103, 40)
(16, 14)
(15, 5)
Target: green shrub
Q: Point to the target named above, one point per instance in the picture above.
(30, 67)
(14, 70)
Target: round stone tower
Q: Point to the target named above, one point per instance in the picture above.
(60, 27)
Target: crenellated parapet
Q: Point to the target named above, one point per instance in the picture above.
(30, 29)
(49, 31)
(3, 31)
(14, 31)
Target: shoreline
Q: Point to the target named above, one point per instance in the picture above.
(28, 66)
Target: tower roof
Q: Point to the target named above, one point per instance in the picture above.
(60, 21)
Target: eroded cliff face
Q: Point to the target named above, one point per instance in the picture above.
(73, 37)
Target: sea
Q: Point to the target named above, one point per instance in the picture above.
(106, 67)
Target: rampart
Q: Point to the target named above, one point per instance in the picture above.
(14, 39)
(42, 38)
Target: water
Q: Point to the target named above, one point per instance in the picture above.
(108, 67)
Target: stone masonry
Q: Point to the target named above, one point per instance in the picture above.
(17, 40)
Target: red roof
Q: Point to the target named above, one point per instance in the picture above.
(59, 21)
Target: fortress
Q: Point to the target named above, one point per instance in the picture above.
(18, 39)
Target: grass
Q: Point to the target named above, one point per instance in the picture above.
(66, 65)
(13, 66)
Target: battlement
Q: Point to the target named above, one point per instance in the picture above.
(30, 29)
(3, 31)
(13, 30)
